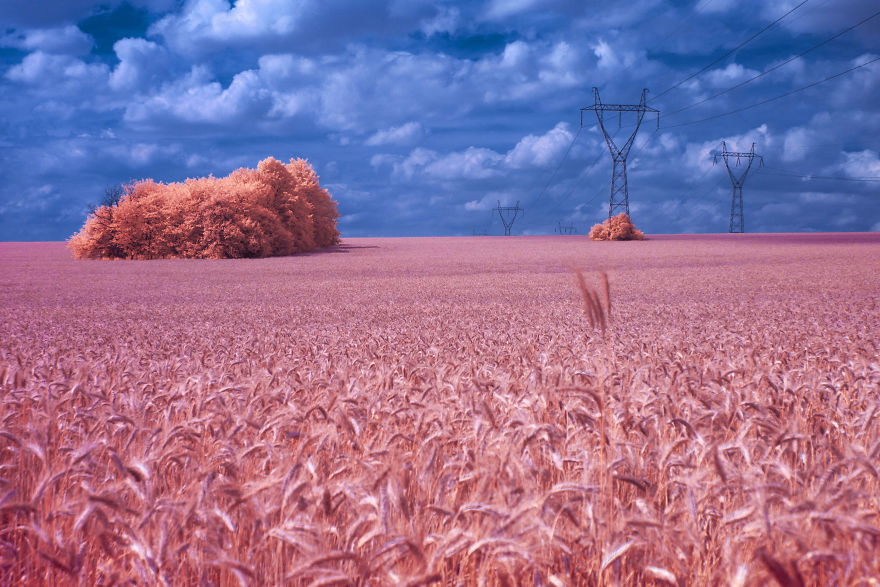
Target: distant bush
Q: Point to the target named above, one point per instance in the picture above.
(616, 228)
(276, 209)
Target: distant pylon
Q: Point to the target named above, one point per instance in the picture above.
(508, 214)
(736, 204)
(619, 192)
(565, 228)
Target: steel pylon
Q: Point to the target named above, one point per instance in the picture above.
(619, 199)
(737, 223)
(508, 214)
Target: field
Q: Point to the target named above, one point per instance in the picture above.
(445, 411)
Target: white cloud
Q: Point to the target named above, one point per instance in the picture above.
(396, 135)
(797, 143)
(445, 21)
(489, 202)
(861, 164)
(481, 163)
(287, 68)
(730, 75)
(45, 69)
(142, 64)
(610, 58)
(68, 40)
(543, 151)
(197, 99)
(472, 163)
(218, 22)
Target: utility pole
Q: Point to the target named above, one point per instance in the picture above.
(736, 204)
(508, 215)
(619, 193)
(565, 228)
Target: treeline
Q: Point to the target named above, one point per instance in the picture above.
(276, 209)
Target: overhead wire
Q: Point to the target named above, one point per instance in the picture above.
(775, 67)
(785, 173)
(774, 98)
(729, 53)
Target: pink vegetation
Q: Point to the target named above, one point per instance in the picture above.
(616, 228)
(273, 210)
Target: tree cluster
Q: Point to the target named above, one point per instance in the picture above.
(616, 228)
(276, 209)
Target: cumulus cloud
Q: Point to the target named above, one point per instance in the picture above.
(475, 163)
(196, 98)
(218, 22)
(48, 70)
(729, 75)
(396, 135)
(472, 163)
(615, 58)
(861, 164)
(68, 40)
(142, 64)
(540, 151)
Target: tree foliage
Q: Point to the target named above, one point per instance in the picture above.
(276, 209)
(616, 228)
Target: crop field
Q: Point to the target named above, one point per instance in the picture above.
(449, 411)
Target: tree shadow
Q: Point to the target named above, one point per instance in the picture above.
(340, 248)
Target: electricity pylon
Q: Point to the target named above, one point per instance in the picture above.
(619, 191)
(736, 204)
(508, 215)
(565, 228)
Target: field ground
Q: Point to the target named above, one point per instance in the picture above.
(441, 410)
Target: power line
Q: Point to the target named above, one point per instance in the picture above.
(731, 52)
(785, 173)
(774, 98)
(775, 67)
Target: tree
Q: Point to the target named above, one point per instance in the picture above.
(276, 209)
(616, 228)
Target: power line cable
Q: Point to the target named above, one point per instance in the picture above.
(731, 52)
(774, 98)
(775, 67)
(786, 173)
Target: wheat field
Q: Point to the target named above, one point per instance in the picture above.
(449, 411)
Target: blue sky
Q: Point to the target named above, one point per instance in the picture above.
(420, 115)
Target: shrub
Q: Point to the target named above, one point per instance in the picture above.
(616, 228)
(276, 209)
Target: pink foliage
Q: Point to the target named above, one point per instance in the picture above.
(616, 228)
(273, 210)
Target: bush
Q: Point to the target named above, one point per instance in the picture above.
(616, 228)
(275, 209)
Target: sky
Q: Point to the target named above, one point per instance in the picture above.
(420, 116)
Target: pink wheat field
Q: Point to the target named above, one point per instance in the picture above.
(684, 410)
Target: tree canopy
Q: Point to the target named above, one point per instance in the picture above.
(276, 209)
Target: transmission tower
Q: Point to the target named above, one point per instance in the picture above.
(508, 215)
(619, 193)
(565, 228)
(736, 204)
